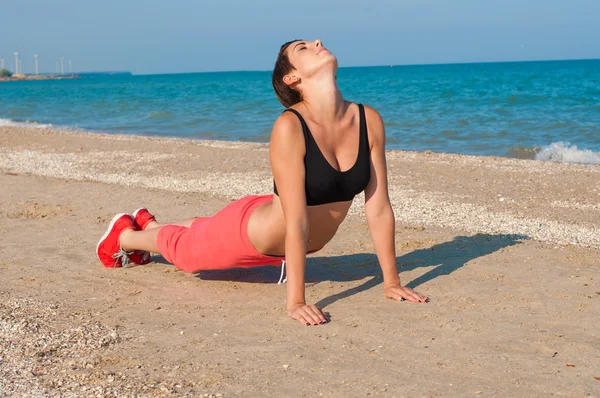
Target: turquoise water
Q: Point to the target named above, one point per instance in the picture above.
(546, 109)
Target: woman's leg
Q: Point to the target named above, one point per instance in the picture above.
(139, 240)
(217, 242)
(185, 223)
(146, 239)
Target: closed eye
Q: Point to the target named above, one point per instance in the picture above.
(302, 43)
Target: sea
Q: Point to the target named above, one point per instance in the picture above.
(549, 111)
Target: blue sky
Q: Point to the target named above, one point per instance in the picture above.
(149, 36)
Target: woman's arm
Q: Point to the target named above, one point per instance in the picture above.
(287, 151)
(380, 216)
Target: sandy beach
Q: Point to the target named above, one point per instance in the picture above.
(507, 250)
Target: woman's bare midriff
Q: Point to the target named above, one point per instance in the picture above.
(266, 226)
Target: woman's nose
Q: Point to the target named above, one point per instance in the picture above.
(318, 43)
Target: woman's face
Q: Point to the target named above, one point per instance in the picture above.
(310, 58)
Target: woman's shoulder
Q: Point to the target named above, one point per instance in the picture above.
(370, 112)
(373, 117)
(375, 127)
(287, 130)
(288, 121)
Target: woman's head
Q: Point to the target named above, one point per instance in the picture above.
(299, 60)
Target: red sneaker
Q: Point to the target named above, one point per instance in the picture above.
(139, 257)
(142, 217)
(109, 251)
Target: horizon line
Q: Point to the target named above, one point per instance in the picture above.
(374, 66)
(341, 67)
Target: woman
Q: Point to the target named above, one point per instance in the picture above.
(323, 152)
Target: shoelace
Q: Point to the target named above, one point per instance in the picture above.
(123, 256)
(282, 271)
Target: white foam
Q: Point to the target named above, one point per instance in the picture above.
(12, 123)
(567, 153)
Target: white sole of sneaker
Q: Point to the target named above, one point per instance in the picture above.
(110, 227)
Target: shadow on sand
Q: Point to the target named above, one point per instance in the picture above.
(445, 257)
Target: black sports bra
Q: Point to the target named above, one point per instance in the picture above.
(323, 183)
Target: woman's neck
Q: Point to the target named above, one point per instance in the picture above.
(323, 100)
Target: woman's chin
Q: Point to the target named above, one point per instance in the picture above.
(328, 64)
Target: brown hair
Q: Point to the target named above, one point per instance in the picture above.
(285, 94)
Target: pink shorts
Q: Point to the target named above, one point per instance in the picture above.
(218, 242)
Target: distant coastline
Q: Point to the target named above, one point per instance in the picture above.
(21, 77)
(37, 77)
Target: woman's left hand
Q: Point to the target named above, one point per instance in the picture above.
(398, 293)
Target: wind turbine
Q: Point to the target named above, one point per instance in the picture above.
(35, 56)
(16, 63)
(62, 66)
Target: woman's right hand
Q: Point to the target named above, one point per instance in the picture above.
(307, 314)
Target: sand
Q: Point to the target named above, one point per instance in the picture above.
(507, 250)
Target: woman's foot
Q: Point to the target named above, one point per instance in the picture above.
(142, 218)
(109, 251)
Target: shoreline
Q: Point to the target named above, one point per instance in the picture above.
(542, 215)
(514, 152)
